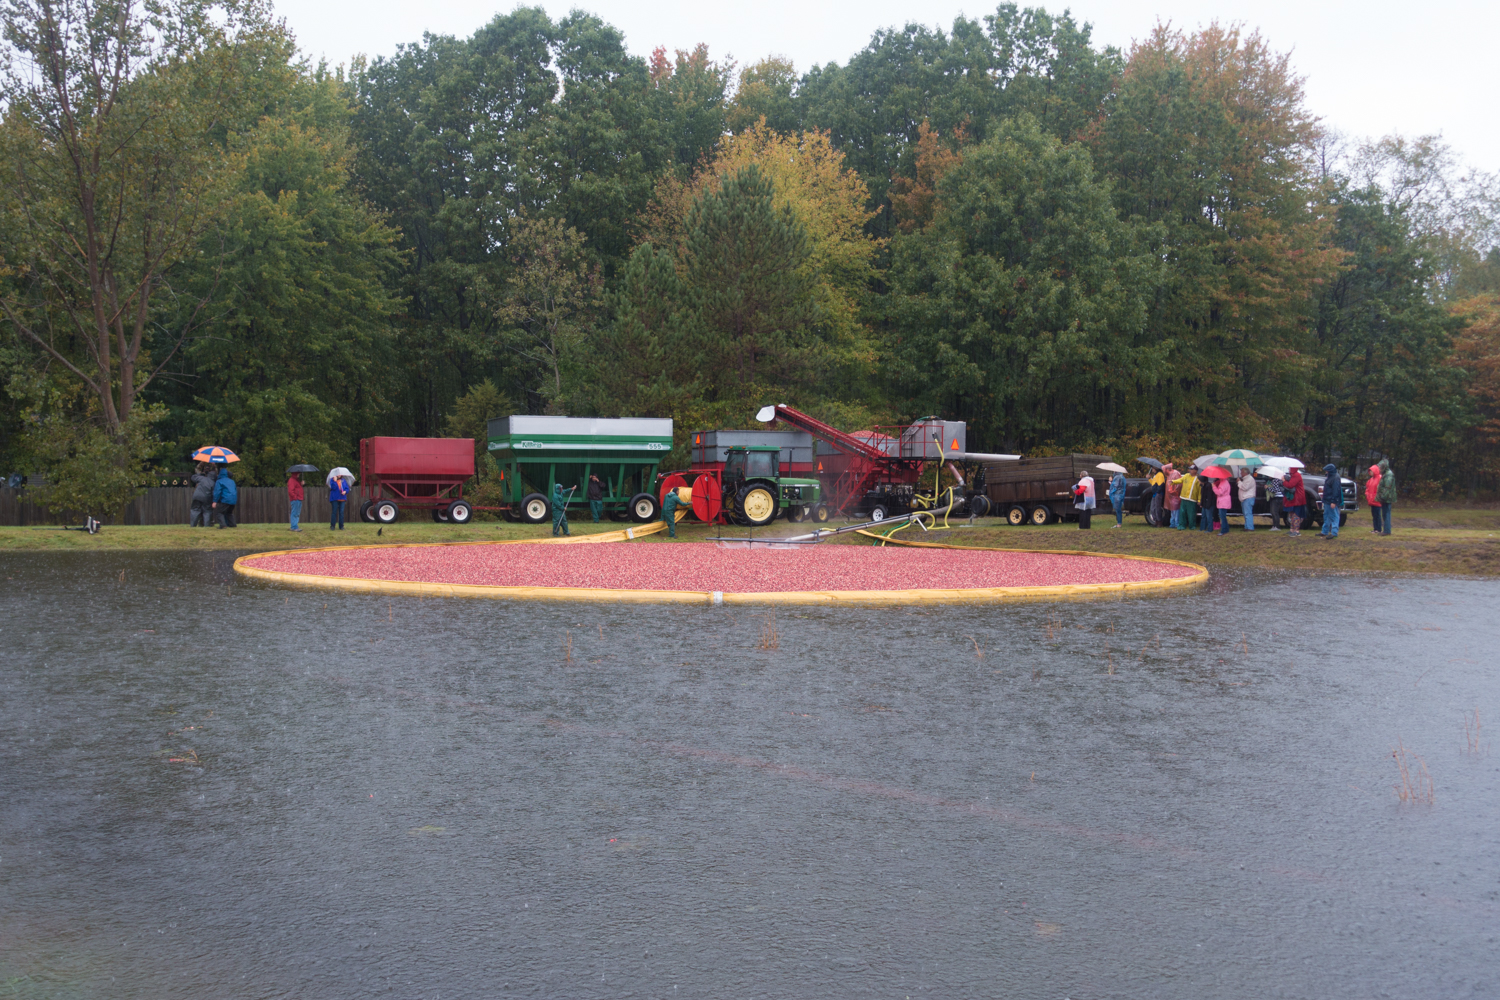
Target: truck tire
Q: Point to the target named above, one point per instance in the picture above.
(979, 505)
(385, 512)
(821, 514)
(535, 508)
(756, 505)
(364, 511)
(459, 512)
(1015, 514)
(1040, 515)
(644, 508)
(878, 512)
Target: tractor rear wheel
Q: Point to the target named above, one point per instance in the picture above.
(535, 508)
(644, 508)
(821, 514)
(1016, 515)
(1040, 515)
(385, 512)
(757, 506)
(459, 512)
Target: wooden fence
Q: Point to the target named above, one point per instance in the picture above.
(173, 504)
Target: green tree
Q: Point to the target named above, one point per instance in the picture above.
(766, 90)
(748, 289)
(548, 301)
(1207, 138)
(1383, 384)
(1022, 307)
(112, 173)
(296, 359)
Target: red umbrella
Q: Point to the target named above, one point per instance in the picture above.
(1218, 472)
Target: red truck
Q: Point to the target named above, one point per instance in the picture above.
(422, 473)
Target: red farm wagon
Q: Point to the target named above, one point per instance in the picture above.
(418, 473)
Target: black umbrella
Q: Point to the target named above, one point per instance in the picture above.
(1148, 461)
(303, 468)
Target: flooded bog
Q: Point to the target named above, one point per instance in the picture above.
(214, 788)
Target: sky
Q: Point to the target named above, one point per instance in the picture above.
(1372, 68)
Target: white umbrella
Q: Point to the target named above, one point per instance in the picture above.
(1272, 472)
(1111, 467)
(1204, 461)
(340, 473)
(1283, 462)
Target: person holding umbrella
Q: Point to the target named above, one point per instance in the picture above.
(1296, 508)
(1116, 493)
(339, 482)
(226, 496)
(294, 491)
(1247, 487)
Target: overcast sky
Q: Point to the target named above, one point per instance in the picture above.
(1372, 67)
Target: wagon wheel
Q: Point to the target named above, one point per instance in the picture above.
(385, 512)
(535, 508)
(364, 510)
(644, 507)
(459, 512)
(439, 515)
(1015, 515)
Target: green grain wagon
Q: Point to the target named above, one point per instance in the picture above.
(536, 452)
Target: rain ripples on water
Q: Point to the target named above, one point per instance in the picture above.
(214, 788)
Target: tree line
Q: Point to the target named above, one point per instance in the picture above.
(205, 238)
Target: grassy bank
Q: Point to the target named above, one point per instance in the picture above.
(1427, 538)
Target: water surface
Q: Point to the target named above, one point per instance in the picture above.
(445, 798)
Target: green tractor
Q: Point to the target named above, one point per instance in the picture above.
(755, 492)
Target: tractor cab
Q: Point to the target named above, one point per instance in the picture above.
(755, 491)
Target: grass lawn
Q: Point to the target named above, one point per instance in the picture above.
(1427, 538)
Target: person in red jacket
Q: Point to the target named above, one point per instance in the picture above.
(1372, 496)
(1296, 502)
(294, 497)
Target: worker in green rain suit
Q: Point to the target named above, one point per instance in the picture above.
(559, 510)
(669, 511)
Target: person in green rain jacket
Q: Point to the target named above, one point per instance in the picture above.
(669, 511)
(559, 511)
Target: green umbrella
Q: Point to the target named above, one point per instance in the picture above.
(1239, 456)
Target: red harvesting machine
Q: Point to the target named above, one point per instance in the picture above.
(879, 472)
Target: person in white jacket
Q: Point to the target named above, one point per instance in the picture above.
(1247, 488)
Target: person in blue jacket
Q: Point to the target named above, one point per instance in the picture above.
(226, 495)
(338, 495)
(1117, 497)
(1333, 501)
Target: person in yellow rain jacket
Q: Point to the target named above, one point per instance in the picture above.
(1192, 495)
